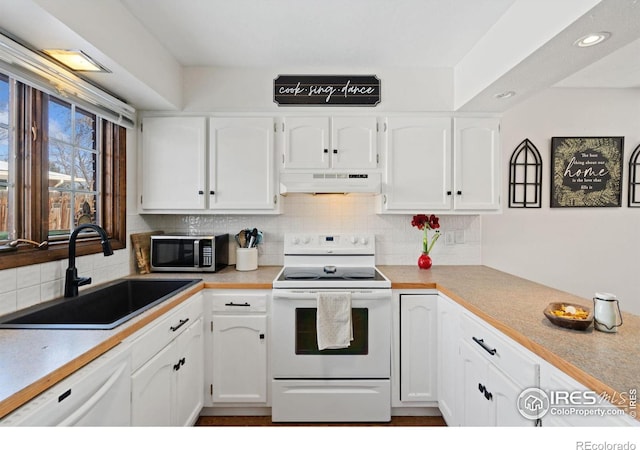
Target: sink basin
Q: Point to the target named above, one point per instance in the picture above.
(101, 308)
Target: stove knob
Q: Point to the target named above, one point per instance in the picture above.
(354, 240)
(306, 240)
(295, 240)
(364, 241)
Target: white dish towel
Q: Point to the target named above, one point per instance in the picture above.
(333, 321)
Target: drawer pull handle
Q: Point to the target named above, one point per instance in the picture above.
(480, 342)
(237, 304)
(182, 322)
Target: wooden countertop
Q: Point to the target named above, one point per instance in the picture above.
(34, 360)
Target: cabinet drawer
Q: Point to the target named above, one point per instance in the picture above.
(166, 329)
(239, 303)
(504, 353)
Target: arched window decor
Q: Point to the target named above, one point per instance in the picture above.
(634, 179)
(525, 177)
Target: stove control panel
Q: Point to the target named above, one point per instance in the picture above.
(309, 243)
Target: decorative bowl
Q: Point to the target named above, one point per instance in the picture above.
(558, 315)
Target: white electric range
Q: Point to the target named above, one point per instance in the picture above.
(350, 384)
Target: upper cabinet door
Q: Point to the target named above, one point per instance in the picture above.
(241, 165)
(173, 163)
(306, 143)
(477, 164)
(354, 143)
(418, 164)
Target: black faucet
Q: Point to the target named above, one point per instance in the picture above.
(72, 281)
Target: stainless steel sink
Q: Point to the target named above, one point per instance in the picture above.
(101, 308)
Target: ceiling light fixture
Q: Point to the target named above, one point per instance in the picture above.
(76, 60)
(592, 39)
(505, 95)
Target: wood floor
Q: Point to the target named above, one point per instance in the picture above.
(265, 421)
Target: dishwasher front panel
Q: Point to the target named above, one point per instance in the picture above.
(98, 394)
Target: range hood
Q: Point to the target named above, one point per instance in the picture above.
(330, 183)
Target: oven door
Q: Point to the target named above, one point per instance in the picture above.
(295, 351)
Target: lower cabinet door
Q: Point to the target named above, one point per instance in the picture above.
(151, 391)
(476, 408)
(189, 377)
(504, 394)
(239, 359)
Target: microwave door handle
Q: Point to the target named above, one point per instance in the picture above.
(196, 253)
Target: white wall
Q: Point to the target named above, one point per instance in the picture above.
(251, 90)
(579, 250)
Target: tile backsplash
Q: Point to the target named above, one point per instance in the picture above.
(397, 242)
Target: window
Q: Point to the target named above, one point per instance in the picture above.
(5, 191)
(64, 166)
(73, 168)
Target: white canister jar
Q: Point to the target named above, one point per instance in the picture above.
(246, 258)
(606, 312)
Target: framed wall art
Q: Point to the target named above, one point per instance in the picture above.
(586, 171)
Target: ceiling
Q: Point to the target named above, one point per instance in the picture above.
(490, 46)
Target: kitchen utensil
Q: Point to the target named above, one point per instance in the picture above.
(247, 237)
(607, 315)
(568, 322)
(252, 239)
(241, 239)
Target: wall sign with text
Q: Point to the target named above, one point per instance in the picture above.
(326, 90)
(586, 171)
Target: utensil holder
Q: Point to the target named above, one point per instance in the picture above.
(246, 258)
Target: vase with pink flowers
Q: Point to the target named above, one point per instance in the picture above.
(426, 222)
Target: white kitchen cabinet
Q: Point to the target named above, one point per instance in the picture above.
(448, 324)
(477, 162)
(494, 372)
(172, 163)
(329, 143)
(241, 165)
(238, 368)
(229, 169)
(418, 347)
(167, 385)
(441, 164)
(417, 164)
(574, 405)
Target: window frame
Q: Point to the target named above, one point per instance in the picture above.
(31, 171)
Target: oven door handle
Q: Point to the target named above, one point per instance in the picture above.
(373, 294)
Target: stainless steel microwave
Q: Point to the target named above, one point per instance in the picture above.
(179, 253)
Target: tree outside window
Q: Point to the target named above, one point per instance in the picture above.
(73, 167)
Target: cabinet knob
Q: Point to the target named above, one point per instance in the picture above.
(326, 150)
(200, 192)
(458, 192)
(261, 335)
(449, 192)
(212, 192)
(335, 151)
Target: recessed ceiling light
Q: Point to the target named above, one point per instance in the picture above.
(76, 60)
(505, 94)
(592, 39)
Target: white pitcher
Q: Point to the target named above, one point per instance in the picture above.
(606, 312)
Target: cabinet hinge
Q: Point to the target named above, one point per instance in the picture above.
(283, 127)
(377, 158)
(212, 326)
(377, 127)
(275, 127)
(283, 158)
(140, 126)
(275, 199)
(141, 200)
(211, 390)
